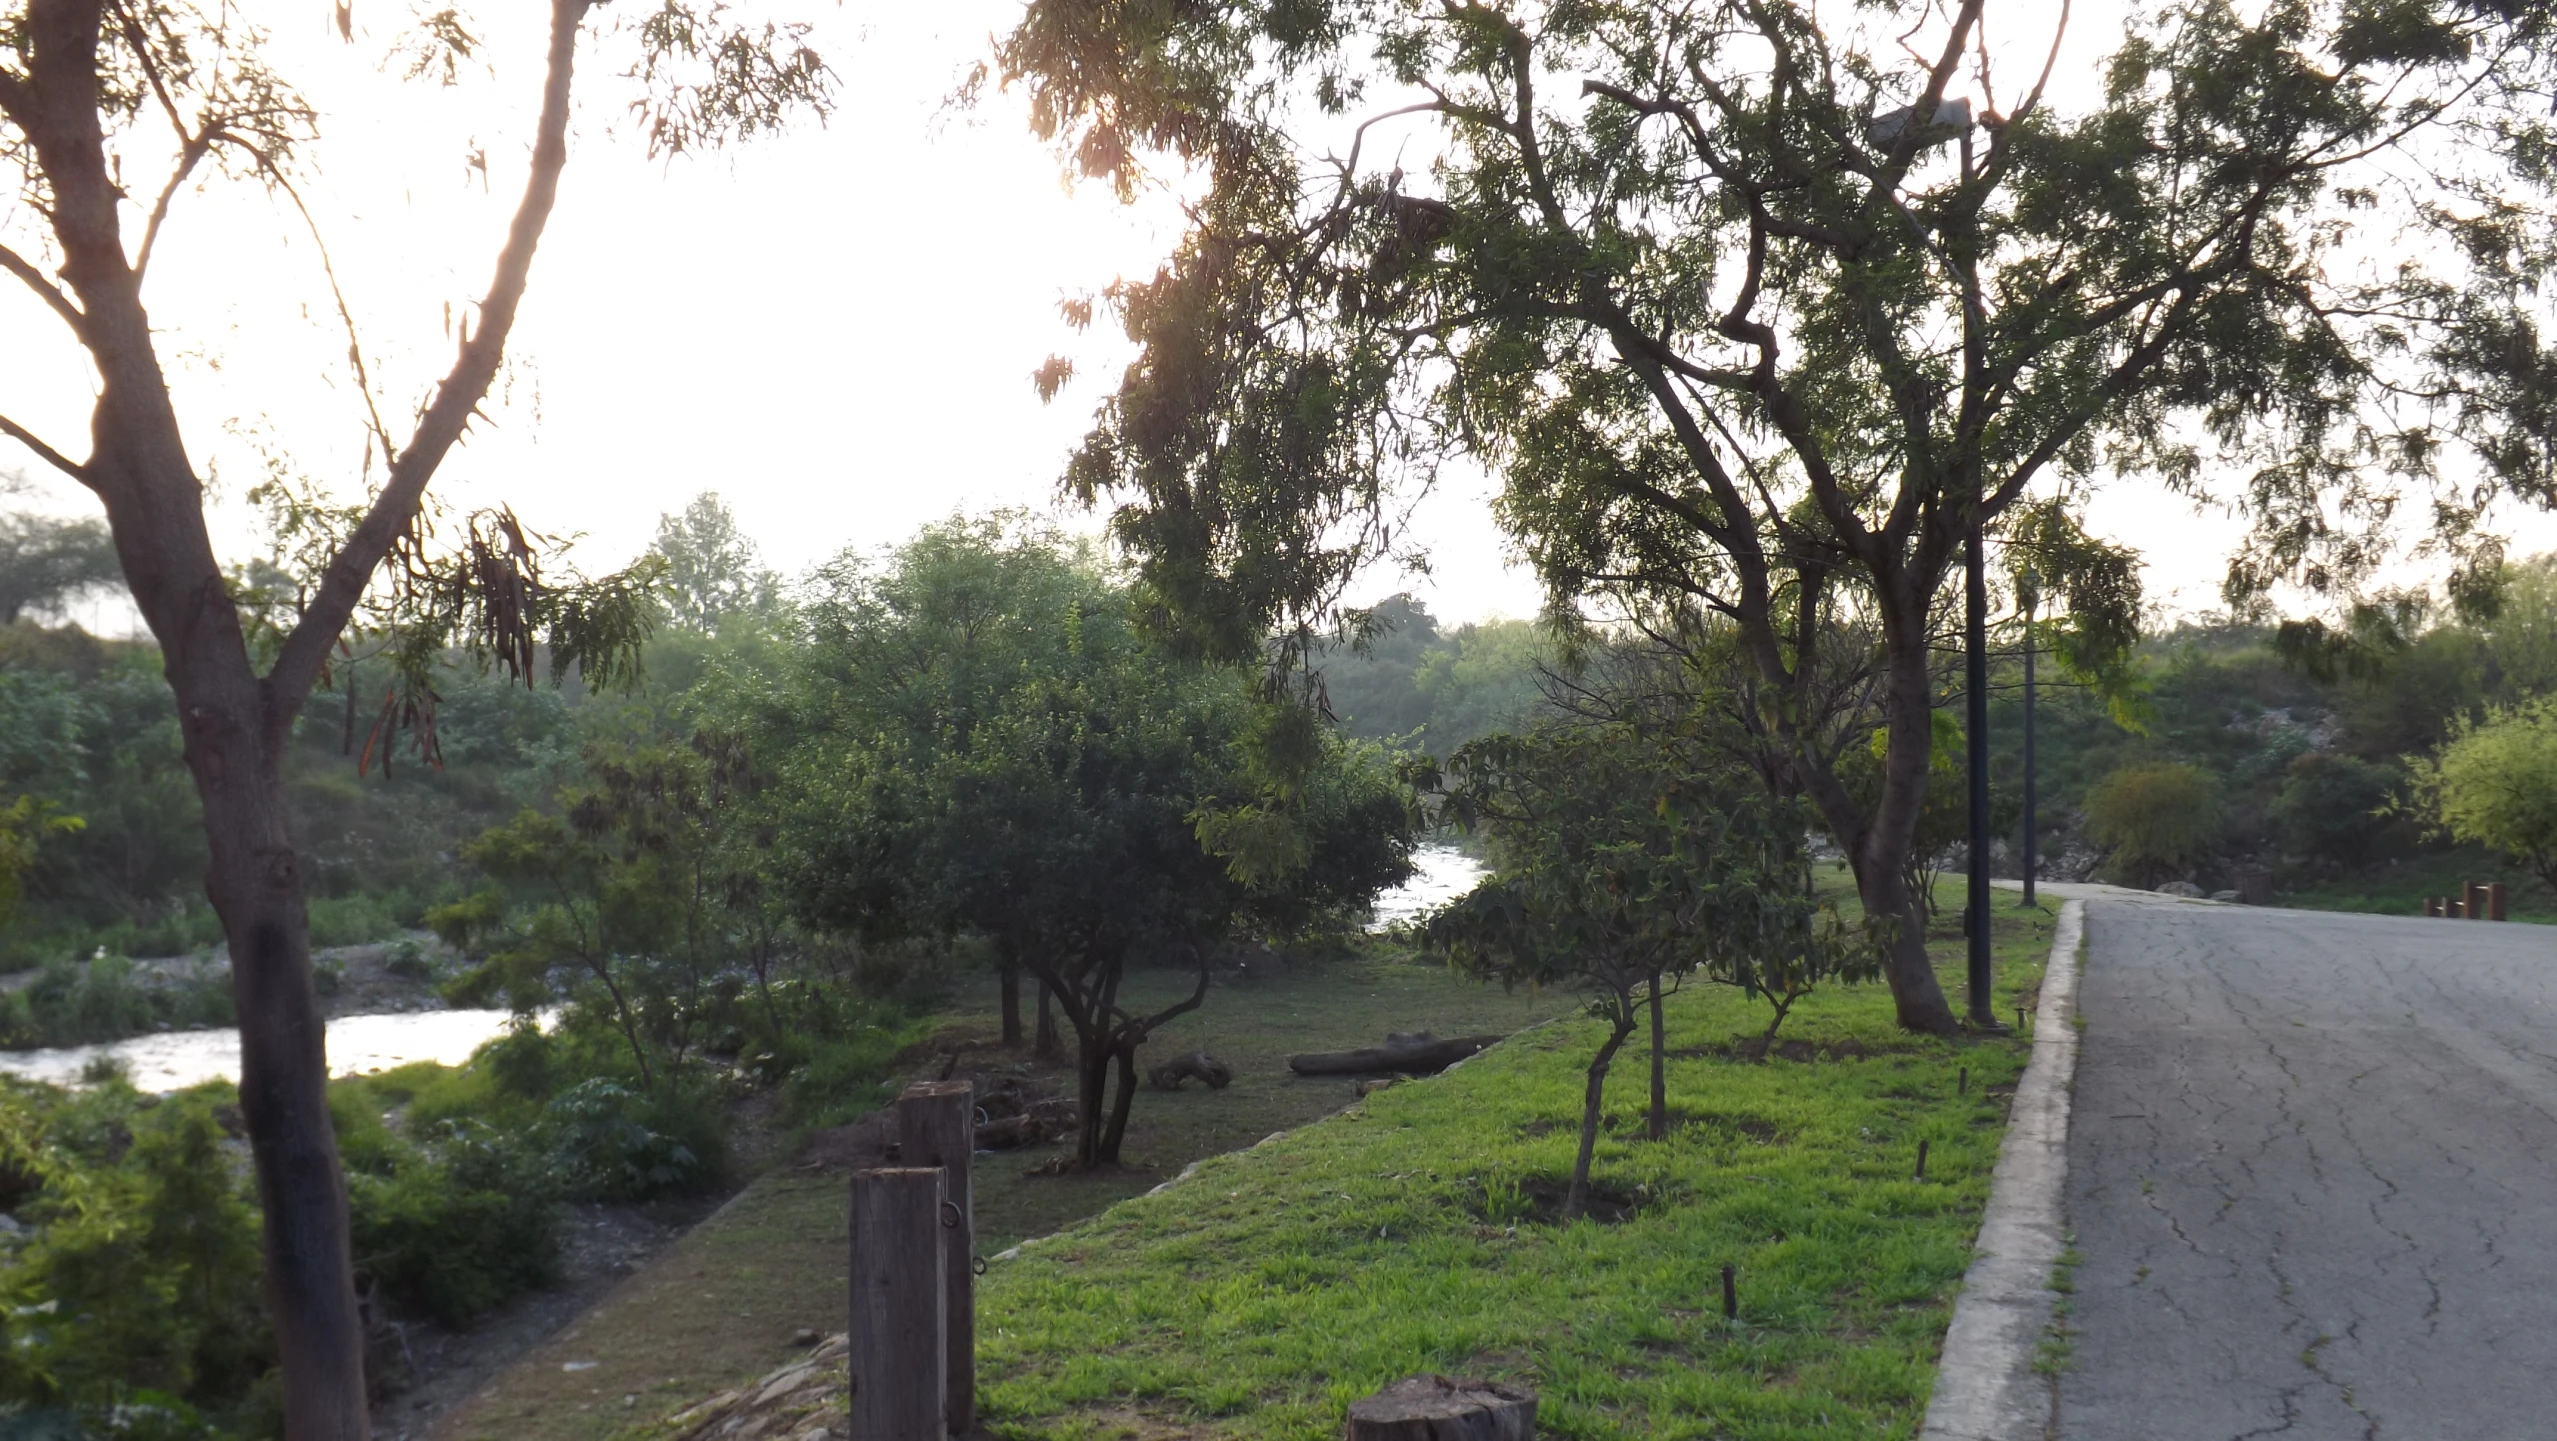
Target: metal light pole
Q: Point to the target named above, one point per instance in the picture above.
(2029, 593)
(1976, 696)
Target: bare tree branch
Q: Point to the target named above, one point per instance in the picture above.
(48, 292)
(350, 571)
(44, 452)
(197, 147)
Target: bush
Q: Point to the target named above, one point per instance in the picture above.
(2329, 811)
(354, 920)
(407, 960)
(609, 1143)
(142, 1271)
(455, 1226)
(2495, 784)
(72, 1003)
(2155, 820)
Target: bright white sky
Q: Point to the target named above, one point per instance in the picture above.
(834, 329)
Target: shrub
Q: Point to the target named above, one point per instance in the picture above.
(2330, 809)
(143, 1269)
(407, 960)
(353, 920)
(2155, 820)
(2494, 783)
(456, 1225)
(609, 1143)
(74, 1003)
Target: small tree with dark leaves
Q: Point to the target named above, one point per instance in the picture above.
(1619, 875)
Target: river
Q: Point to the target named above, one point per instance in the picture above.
(1441, 874)
(174, 1060)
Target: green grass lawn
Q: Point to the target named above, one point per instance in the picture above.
(1261, 1295)
(720, 1305)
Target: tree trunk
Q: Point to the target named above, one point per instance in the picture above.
(1659, 1128)
(1412, 1058)
(1008, 977)
(1046, 1047)
(1878, 845)
(237, 725)
(1091, 1089)
(255, 885)
(1120, 1103)
(1577, 1200)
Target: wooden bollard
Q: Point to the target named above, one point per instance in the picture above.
(2432, 907)
(900, 1346)
(2495, 901)
(1439, 1408)
(937, 1126)
(2472, 900)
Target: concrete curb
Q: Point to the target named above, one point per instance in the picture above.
(1985, 1388)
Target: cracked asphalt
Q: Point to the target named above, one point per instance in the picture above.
(2312, 1177)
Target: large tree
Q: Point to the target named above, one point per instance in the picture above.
(47, 562)
(1775, 308)
(109, 112)
(981, 739)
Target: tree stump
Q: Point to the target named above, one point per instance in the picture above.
(1438, 1408)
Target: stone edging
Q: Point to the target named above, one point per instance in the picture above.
(1986, 1389)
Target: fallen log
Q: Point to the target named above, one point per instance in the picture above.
(1196, 1066)
(1419, 1055)
(1439, 1408)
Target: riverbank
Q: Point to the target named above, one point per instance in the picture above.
(729, 1300)
(1849, 1330)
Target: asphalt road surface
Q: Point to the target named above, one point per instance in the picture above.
(2313, 1177)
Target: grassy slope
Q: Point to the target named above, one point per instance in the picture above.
(720, 1305)
(2399, 889)
(1261, 1296)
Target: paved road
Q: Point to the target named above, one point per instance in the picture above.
(2313, 1177)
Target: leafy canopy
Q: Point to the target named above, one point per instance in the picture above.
(2494, 783)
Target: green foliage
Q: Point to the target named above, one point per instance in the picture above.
(1415, 1232)
(141, 1271)
(2494, 783)
(2334, 809)
(47, 563)
(2154, 820)
(452, 1226)
(980, 737)
(1614, 870)
(608, 1143)
(72, 1003)
(1736, 337)
(638, 900)
(711, 569)
(1410, 681)
(1611, 866)
(23, 822)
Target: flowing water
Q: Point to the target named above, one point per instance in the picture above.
(174, 1060)
(1443, 873)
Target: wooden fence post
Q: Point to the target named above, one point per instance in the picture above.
(899, 1344)
(937, 1126)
